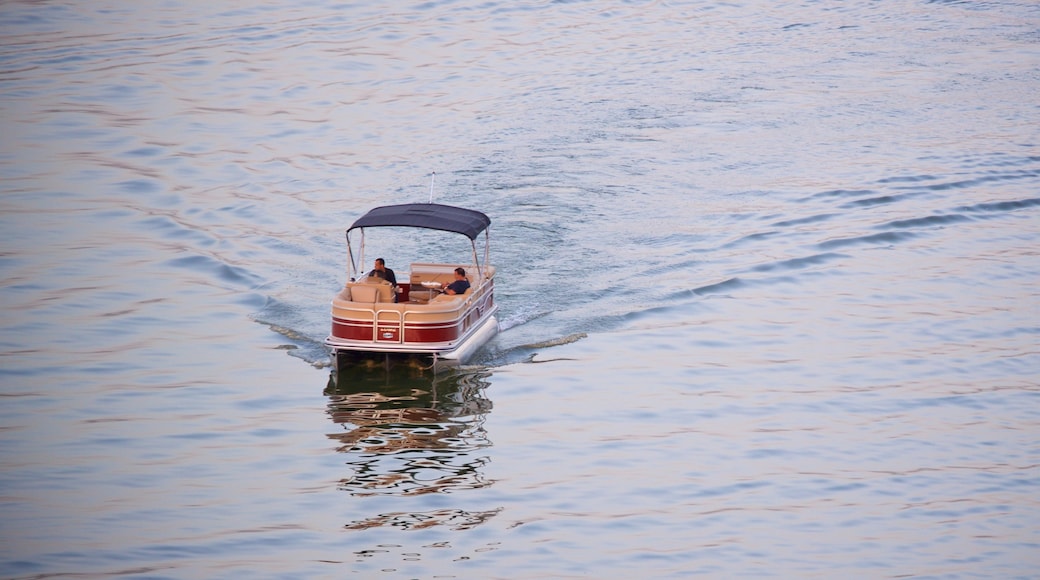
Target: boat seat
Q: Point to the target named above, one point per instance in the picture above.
(364, 293)
(441, 298)
(371, 290)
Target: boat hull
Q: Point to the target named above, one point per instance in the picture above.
(415, 355)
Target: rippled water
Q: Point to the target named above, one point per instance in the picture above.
(767, 275)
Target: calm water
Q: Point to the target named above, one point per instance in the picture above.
(768, 280)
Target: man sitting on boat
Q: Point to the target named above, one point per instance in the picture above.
(460, 285)
(381, 271)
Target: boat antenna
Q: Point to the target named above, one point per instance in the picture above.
(433, 176)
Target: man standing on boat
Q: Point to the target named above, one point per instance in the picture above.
(460, 285)
(381, 271)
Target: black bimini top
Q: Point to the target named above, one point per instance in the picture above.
(432, 216)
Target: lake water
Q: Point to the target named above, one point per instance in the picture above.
(768, 277)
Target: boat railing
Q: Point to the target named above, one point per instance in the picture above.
(445, 313)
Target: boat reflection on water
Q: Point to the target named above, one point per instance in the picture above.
(409, 431)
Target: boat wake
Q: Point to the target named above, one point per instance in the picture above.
(526, 352)
(570, 338)
(522, 316)
(302, 346)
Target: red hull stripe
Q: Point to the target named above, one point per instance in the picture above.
(414, 332)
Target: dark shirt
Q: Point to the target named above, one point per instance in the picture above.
(387, 274)
(459, 286)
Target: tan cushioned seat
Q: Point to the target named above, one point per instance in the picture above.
(371, 290)
(366, 293)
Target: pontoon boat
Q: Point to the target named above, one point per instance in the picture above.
(371, 317)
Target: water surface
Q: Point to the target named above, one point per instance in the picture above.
(767, 277)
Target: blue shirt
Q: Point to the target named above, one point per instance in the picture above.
(459, 286)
